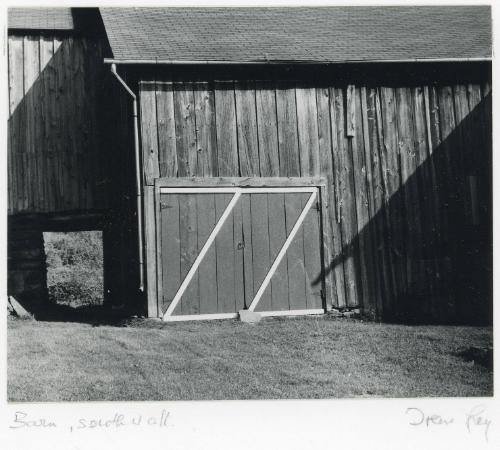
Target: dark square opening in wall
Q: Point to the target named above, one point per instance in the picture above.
(75, 267)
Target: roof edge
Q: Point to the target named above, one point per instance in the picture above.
(349, 61)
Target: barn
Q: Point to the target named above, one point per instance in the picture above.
(285, 161)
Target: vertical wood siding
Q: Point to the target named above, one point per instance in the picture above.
(54, 154)
(408, 183)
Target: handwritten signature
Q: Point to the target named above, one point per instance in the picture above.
(474, 419)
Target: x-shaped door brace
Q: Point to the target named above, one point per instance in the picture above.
(237, 194)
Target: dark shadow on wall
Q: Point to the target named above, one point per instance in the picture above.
(427, 254)
(69, 161)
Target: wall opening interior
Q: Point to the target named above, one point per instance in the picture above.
(75, 268)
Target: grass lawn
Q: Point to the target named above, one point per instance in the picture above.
(314, 357)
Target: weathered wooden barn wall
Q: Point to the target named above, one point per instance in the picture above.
(55, 159)
(70, 155)
(408, 165)
(27, 275)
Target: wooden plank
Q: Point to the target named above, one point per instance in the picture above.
(380, 213)
(42, 122)
(277, 237)
(150, 251)
(79, 139)
(474, 95)
(307, 130)
(188, 223)
(393, 195)
(307, 126)
(295, 253)
(297, 312)
(59, 121)
(206, 133)
(75, 138)
(347, 206)
(116, 96)
(248, 142)
(463, 148)
(167, 148)
(185, 130)
(288, 141)
(331, 274)
(124, 135)
(170, 248)
(434, 141)
(478, 159)
(267, 129)
(239, 261)
(224, 243)
(260, 245)
(474, 98)
(474, 204)
(47, 69)
(372, 306)
(336, 262)
(426, 198)
(361, 204)
(23, 170)
(485, 199)
(329, 285)
(16, 76)
(80, 142)
(312, 257)
(182, 318)
(411, 226)
(227, 140)
(447, 169)
(486, 88)
(487, 136)
(350, 111)
(47, 80)
(208, 267)
(485, 155)
(86, 146)
(122, 254)
(16, 118)
(464, 154)
(67, 186)
(242, 182)
(94, 138)
(31, 73)
(149, 133)
(10, 166)
(439, 182)
(249, 291)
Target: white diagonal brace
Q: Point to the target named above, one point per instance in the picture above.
(282, 252)
(201, 255)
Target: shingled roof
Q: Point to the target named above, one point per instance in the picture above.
(40, 19)
(321, 34)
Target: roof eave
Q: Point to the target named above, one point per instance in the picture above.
(350, 61)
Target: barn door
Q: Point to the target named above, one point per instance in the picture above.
(227, 249)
